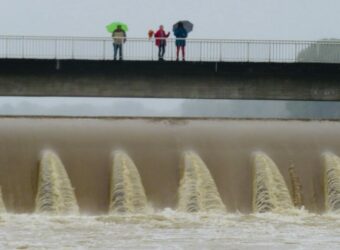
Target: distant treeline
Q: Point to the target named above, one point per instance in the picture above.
(325, 50)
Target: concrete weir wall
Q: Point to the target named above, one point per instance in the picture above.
(210, 80)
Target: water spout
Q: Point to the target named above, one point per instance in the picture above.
(127, 191)
(55, 192)
(332, 181)
(197, 189)
(270, 192)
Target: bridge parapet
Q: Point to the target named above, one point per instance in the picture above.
(144, 49)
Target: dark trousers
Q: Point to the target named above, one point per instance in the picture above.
(116, 48)
(161, 51)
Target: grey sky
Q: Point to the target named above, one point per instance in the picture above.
(254, 19)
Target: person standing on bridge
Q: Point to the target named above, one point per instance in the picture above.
(160, 41)
(119, 38)
(180, 34)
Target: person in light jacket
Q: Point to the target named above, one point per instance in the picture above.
(119, 38)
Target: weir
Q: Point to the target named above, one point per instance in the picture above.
(158, 163)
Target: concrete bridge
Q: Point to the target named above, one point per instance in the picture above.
(216, 69)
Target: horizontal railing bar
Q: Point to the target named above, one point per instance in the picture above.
(188, 39)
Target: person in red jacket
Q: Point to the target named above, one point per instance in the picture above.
(161, 36)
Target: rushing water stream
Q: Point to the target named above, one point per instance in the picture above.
(71, 183)
(171, 230)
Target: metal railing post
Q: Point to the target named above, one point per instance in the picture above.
(220, 51)
(103, 49)
(6, 47)
(270, 51)
(72, 48)
(55, 48)
(171, 49)
(200, 51)
(247, 51)
(151, 43)
(23, 47)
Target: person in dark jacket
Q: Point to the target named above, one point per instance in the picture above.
(161, 36)
(119, 38)
(180, 34)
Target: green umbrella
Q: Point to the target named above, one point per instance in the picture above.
(113, 26)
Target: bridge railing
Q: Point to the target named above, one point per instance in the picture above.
(215, 50)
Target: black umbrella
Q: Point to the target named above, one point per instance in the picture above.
(188, 26)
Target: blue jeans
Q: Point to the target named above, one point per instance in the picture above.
(117, 47)
(161, 51)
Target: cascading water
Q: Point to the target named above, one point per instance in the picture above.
(197, 189)
(127, 191)
(296, 187)
(55, 192)
(2, 204)
(269, 187)
(332, 181)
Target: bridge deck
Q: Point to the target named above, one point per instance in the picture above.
(212, 80)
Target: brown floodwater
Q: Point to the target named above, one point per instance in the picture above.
(156, 146)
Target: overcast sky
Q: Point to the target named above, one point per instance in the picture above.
(254, 19)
